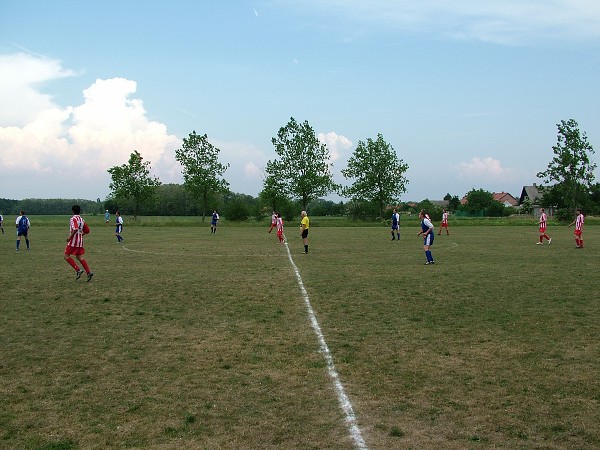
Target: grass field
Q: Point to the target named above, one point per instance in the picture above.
(185, 339)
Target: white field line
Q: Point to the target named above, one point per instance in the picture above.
(343, 399)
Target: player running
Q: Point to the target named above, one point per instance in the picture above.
(75, 244)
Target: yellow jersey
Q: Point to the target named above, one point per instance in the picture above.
(304, 223)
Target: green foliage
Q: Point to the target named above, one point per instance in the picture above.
(364, 210)
(434, 211)
(273, 193)
(495, 209)
(320, 207)
(8, 206)
(49, 206)
(174, 200)
(453, 203)
(478, 199)
(378, 173)
(302, 171)
(239, 207)
(571, 171)
(526, 207)
(202, 171)
(132, 182)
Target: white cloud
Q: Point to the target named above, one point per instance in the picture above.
(487, 170)
(20, 78)
(337, 145)
(500, 21)
(247, 162)
(76, 143)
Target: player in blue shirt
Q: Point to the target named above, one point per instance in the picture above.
(395, 224)
(22, 225)
(214, 221)
(118, 226)
(428, 234)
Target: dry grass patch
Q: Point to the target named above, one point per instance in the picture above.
(190, 340)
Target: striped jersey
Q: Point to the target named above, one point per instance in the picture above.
(579, 222)
(76, 223)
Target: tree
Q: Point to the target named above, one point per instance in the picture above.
(378, 174)
(453, 202)
(303, 169)
(478, 199)
(132, 182)
(571, 171)
(272, 193)
(202, 171)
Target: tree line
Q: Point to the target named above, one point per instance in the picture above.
(300, 176)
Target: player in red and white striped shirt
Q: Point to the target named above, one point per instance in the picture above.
(75, 244)
(542, 223)
(578, 233)
(279, 223)
(444, 223)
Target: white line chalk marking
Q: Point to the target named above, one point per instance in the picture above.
(355, 433)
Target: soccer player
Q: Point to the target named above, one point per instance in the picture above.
(23, 225)
(118, 226)
(1, 220)
(304, 224)
(214, 221)
(542, 223)
(578, 233)
(279, 224)
(75, 245)
(106, 216)
(395, 224)
(428, 233)
(444, 223)
(273, 221)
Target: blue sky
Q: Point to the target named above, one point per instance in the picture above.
(468, 93)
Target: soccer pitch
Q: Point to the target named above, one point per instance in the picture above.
(187, 339)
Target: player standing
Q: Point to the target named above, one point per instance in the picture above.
(578, 233)
(75, 244)
(118, 226)
(444, 223)
(428, 233)
(1, 220)
(213, 222)
(395, 224)
(279, 224)
(273, 221)
(304, 225)
(23, 225)
(543, 223)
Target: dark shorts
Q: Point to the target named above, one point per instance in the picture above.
(305, 233)
(21, 233)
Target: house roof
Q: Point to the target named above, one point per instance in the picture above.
(505, 197)
(532, 193)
